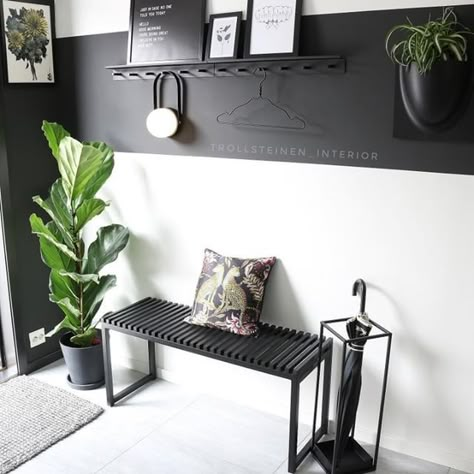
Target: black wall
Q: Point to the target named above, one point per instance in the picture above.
(27, 169)
(347, 115)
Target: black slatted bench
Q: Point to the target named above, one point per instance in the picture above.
(277, 351)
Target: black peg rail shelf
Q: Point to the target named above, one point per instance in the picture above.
(236, 67)
(277, 351)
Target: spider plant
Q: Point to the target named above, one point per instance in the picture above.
(425, 45)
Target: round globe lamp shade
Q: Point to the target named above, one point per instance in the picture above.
(162, 123)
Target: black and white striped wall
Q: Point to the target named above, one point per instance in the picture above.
(404, 222)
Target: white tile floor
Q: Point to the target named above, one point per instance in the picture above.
(167, 429)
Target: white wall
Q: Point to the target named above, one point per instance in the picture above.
(410, 235)
(87, 17)
(5, 309)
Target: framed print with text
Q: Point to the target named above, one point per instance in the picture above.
(166, 31)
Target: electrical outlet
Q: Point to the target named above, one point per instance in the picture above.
(37, 338)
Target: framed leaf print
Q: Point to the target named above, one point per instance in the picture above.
(27, 39)
(223, 36)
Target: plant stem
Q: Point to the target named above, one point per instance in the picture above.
(79, 255)
(81, 309)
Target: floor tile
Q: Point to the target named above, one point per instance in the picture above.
(309, 466)
(240, 435)
(161, 453)
(391, 462)
(118, 428)
(36, 466)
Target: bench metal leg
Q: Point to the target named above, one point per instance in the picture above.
(295, 458)
(109, 382)
(294, 415)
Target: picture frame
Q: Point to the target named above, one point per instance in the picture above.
(40, 69)
(170, 32)
(273, 28)
(223, 36)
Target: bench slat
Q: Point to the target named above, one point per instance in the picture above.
(169, 321)
(264, 340)
(137, 315)
(302, 356)
(141, 304)
(293, 343)
(125, 314)
(283, 335)
(162, 321)
(295, 352)
(282, 343)
(178, 335)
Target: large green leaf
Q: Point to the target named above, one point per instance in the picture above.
(63, 228)
(71, 312)
(94, 295)
(54, 133)
(87, 211)
(111, 240)
(61, 286)
(64, 324)
(81, 278)
(60, 204)
(78, 165)
(39, 228)
(53, 258)
(86, 338)
(107, 167)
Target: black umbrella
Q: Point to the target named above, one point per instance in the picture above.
(349, 392)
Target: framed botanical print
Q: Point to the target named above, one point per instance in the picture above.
(28, 32)
(166, 32)
(273, 28)
(223, 36)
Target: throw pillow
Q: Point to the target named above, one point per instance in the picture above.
(230, 291)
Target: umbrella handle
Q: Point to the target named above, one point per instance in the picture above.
(360, 288)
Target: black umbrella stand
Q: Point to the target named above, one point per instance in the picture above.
(343, 454)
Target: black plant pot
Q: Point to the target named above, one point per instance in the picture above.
(85, 364)
(436, 100)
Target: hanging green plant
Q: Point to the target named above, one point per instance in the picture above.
(76, 284)
(425, 45)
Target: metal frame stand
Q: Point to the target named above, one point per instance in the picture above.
(329, 465)
(295, 457)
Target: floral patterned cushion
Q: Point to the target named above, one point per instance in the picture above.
(230, 292)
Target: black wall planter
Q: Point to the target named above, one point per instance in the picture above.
(435, 101)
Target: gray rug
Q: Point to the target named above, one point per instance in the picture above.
(34, 416)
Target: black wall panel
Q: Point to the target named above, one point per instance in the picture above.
(350, 117)
(27, 168)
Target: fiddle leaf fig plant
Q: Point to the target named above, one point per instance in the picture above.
(424, 45)
(76, 284)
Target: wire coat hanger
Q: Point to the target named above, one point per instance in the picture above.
(294, 123)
